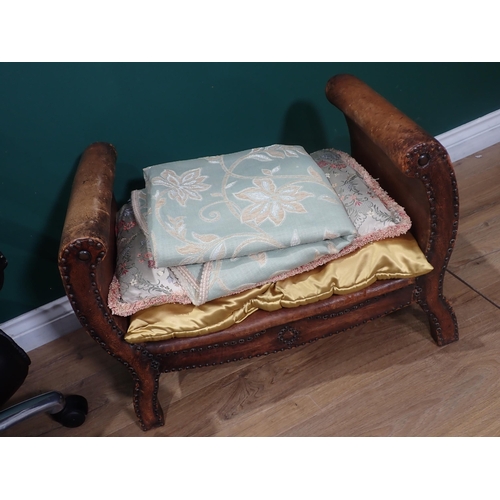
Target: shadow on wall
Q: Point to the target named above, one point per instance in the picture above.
(133, 184)
(303, 127)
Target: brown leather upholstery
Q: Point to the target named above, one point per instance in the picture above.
(411, 165)
(89, 212)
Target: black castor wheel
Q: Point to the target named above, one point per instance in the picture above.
(74, 412)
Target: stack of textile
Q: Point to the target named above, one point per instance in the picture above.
(216, 238)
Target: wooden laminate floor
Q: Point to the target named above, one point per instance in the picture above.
(385, 378)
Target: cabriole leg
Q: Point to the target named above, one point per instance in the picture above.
(146, 405)
(442, 319)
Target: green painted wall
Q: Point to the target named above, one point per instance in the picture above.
(156, 113)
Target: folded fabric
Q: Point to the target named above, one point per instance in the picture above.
(392, 258)
(227, 223)
(139, 285)
(372, 211)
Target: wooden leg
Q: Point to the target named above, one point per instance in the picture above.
(442, 319)
(146, 405)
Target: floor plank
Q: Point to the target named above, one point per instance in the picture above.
(476, 257)
(425, 393)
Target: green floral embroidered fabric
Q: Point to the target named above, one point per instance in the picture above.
(229, 222)
(139, 285)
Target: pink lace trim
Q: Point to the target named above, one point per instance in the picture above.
(120, 308)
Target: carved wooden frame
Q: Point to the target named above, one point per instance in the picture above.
(409, 164)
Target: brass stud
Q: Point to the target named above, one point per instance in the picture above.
(84, 255)
(423, 160)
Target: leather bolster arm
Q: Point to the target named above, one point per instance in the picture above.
(90, 207)
(399, 137)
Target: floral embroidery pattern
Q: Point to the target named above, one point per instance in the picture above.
(183, 187)
(212, 216)
(372, 211)
(238, 202)
(270, 202)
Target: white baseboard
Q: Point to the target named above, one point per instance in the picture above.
(42, 325)
(472, 137)
(56, 319)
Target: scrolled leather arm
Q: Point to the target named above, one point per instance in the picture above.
(404, 142)
(90, 207)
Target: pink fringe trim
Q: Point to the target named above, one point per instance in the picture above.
(120, 308)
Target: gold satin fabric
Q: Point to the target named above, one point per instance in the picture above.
(398, 257)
